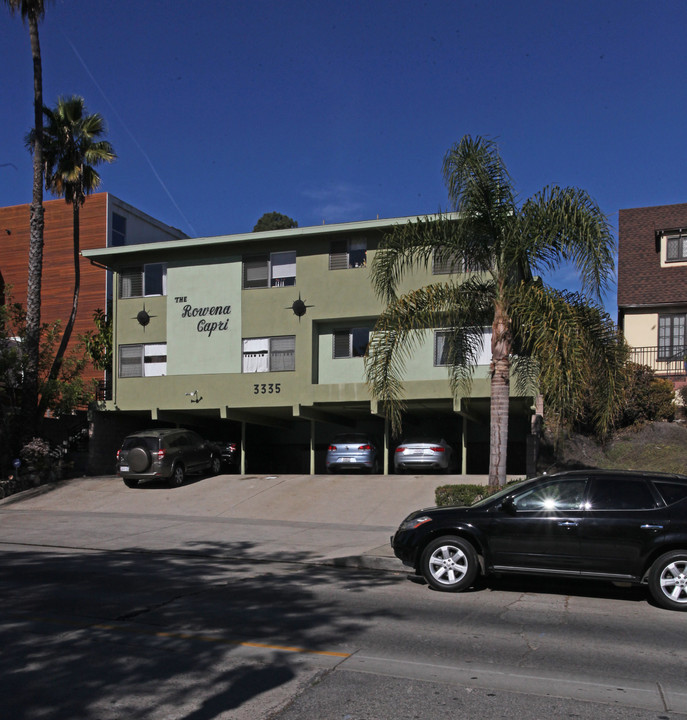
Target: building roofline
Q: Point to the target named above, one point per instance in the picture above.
(103, 255)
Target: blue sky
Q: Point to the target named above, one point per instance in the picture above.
(221, 110)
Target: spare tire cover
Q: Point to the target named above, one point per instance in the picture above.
(139, 459)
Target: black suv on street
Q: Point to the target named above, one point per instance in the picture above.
(166, 453)
(623, 527)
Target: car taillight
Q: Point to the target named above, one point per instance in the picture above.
(365, 447)
(119, 452)
(400, 449)
(160, 454)
(332, 447)
(437, 449)
(232, 446)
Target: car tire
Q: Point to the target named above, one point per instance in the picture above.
(668, 580)
(215, 465)
(130, 482)
(178, 476)
(450, 564)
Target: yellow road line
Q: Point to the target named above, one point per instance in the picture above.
(190, 636)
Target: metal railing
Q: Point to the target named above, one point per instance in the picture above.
(673, 366)
(103, 391)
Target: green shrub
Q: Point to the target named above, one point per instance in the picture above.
(648, 398)
(460, 494)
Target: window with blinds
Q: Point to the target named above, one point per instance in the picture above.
(270, 270)
(270, 354)
(350, 343)
(348, 253)
(142, 360)
(143, 281)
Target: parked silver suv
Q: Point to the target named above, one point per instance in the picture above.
(165, 453)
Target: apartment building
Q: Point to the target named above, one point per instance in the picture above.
(260, 338)
(652, 286)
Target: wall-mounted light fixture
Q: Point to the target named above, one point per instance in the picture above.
(194, 396)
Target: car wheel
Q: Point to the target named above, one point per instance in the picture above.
(178, 475)
(449, 563)
(215, 465)
(130, 482)
(668, 580)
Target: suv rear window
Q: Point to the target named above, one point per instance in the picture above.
(147, 442)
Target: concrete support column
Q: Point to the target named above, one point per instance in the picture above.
(243, 448)
(312, 447)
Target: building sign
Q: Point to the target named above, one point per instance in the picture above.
(204, 318)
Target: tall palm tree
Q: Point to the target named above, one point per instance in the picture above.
(32, 11)
(563, 343)
(72, 149)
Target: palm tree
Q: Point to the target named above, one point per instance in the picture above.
(32, 11)
(563, 343)
(73, 149)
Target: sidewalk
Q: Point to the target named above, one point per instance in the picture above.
(341, 520)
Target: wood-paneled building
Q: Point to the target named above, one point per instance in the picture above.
(105, 221)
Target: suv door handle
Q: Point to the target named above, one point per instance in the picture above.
(567, 523)
(651, 527)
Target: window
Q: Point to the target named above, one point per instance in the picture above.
(671, 336)
(118, 230)
(672, 492)
(676, 247)
(143, 281)
(620, 494)
(148, 360)
(350, 343)
(271, 354)
(275, 270)
(445, 263)
(482, 355)
(347, 254)
(559, 495)
(441, 347)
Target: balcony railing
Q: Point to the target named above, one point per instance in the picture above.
(673, 366)
(103, 391)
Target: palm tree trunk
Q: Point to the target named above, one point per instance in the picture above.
(35, 270)
(501, 344)
(59, 355)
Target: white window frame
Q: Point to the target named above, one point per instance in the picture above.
(277, 269)
(143, 360)
(132, 281)
(343, 345)
(346, 253)
(678, 242)
(269, 354)
(672, 336)
(440, 335)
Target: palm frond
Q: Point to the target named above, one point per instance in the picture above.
(578, 349)
(565, 224)
(461, 308)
